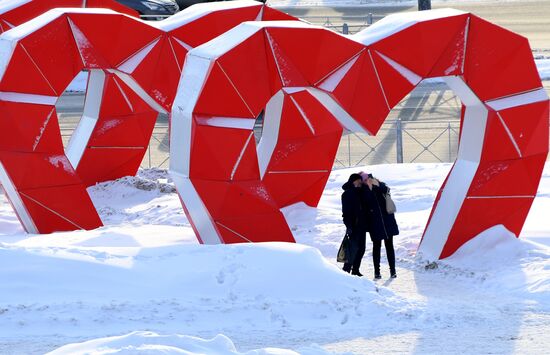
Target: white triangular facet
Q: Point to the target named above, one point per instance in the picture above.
(330, 83)
(130, 64)
(408, 74)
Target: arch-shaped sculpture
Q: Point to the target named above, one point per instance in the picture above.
(15, 12)
(134, 71)
(312, 82)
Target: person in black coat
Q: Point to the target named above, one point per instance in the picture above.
(382, 225)
(355, 219)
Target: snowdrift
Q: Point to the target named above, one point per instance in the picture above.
(151, 343)
(145, 271)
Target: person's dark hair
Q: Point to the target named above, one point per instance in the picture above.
(354, 177)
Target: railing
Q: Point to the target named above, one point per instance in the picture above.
(345, 24)
(400, 142)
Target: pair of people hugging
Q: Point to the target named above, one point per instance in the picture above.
(364, 210)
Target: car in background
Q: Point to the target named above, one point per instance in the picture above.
(152, 9)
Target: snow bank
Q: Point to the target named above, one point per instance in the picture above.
(504, 262)
(145, 271)
(151, 343)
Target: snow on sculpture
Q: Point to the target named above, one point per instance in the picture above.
(134, 71)
(15, 12)
(312, 82)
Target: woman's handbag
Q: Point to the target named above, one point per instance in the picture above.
(390, 205)
(344, 253)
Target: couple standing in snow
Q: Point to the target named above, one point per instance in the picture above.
(364, 210)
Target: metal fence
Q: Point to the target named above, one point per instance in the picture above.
(400, 142)
(423, 128)
(396, 142)
(345, 25)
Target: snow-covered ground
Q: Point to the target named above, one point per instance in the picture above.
(143, 284)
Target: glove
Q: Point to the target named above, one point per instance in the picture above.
(348, 231)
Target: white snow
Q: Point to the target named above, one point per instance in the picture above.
(394, 23)
(144, 271)
(8, 5)
(140, 342)
(199, 10)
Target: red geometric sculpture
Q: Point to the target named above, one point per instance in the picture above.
(312, 82)
(15, 12)
(134, 71)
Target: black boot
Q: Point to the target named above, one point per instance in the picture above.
(393, 274)
(347, 268)
(356, 273)
(377, 275)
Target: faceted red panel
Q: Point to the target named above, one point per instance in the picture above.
(220, 96)
(321, 120)
(229, 199)
(287, 189)
(419, 47)
(61, 52)
(498, 62)
(510, 212)
(508, 177)
(51, 214)
(23, 168)
(33, 82)
(100, 164)
(227, 149)
(360, 94)
(266, 228)
(29, 127)
(252, 84)
(171, 55)
(451, 61)
(30, 9)
(531, 139)
(394, 84)
(210, 26)
(270, 14)
(325, 50)
(498, 144)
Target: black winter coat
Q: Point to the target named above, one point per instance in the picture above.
(381, 224)
(353, 208)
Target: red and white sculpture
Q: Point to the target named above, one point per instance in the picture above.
(15, 12)
(312, 82)
(134, 68)
(309, 81)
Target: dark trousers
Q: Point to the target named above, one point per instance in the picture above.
(359, 244)
(376, 246)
